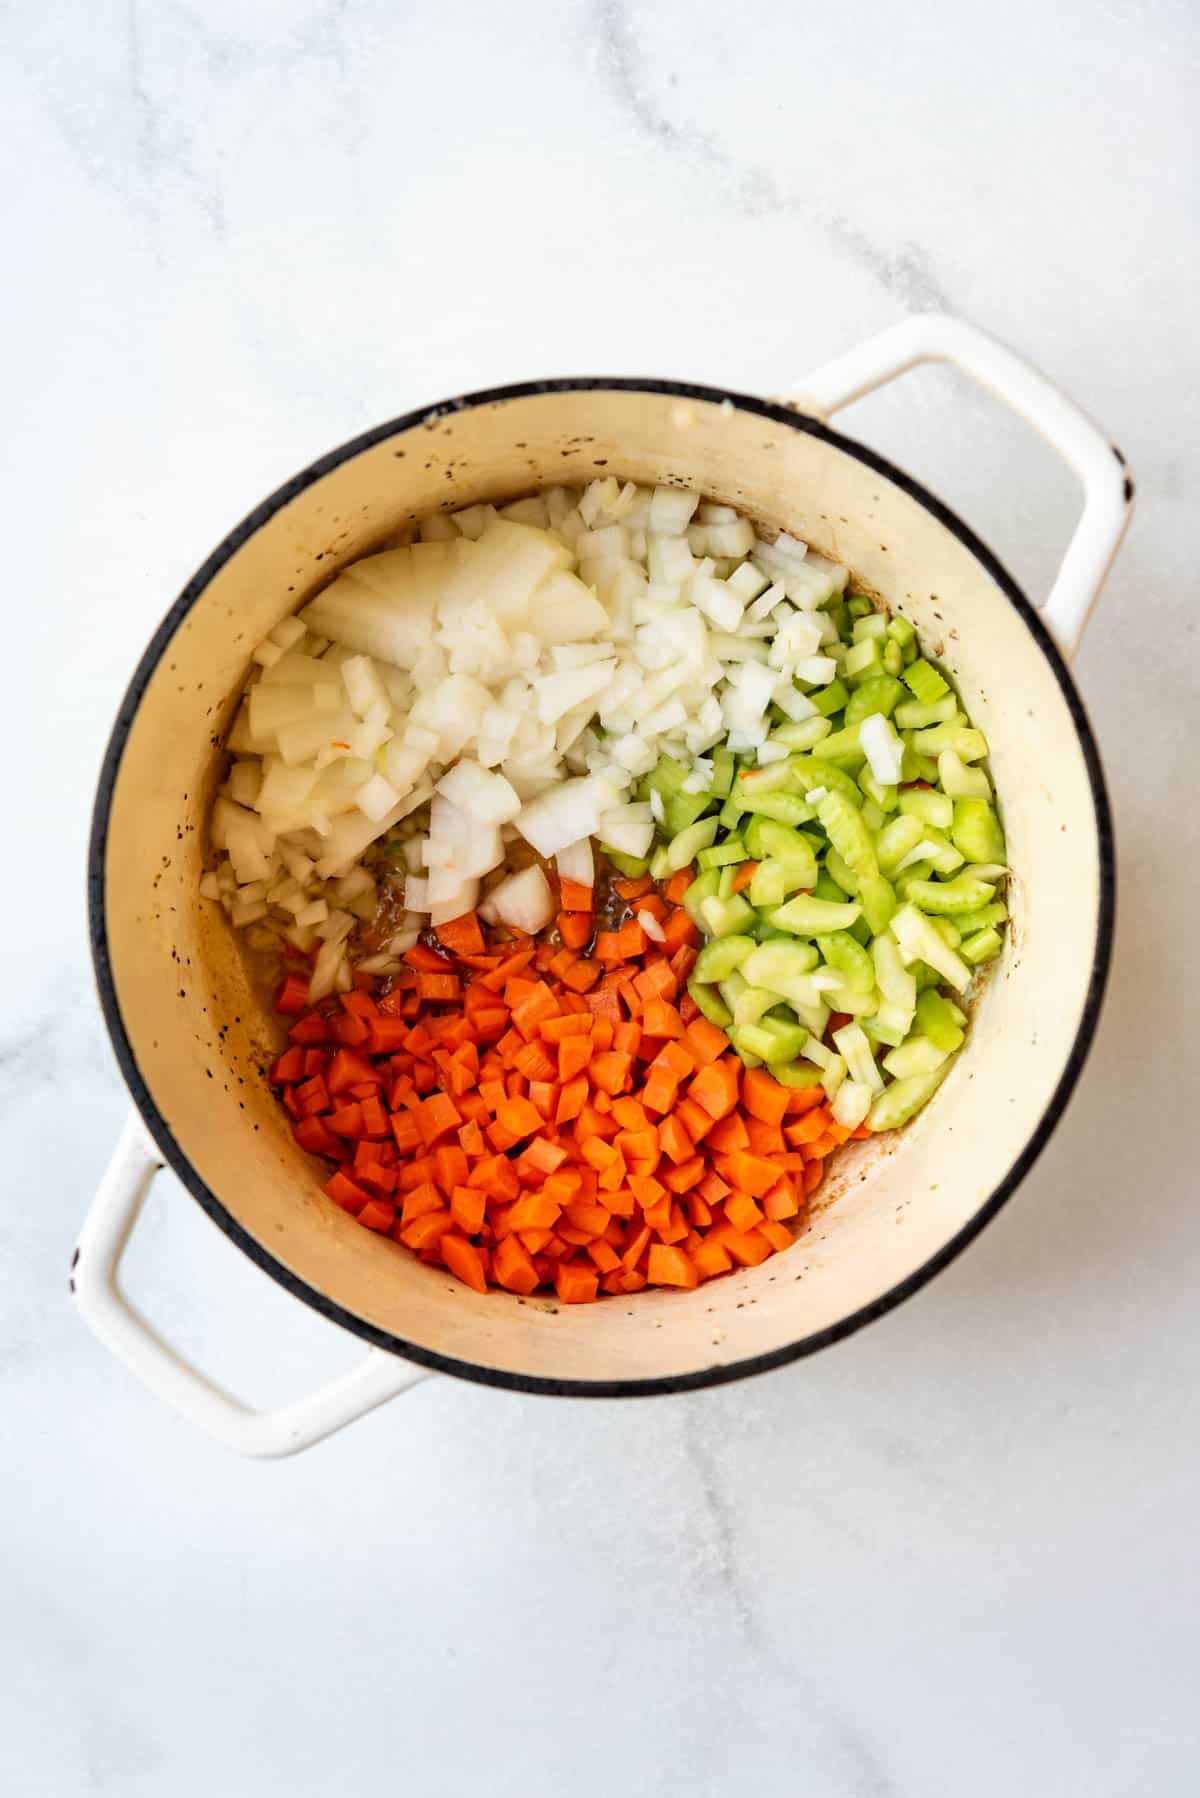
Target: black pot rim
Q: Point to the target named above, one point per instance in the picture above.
(319, 1301)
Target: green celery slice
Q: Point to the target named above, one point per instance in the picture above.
(718, 959)
(718, 854)
(984, 945)
(924, 682)
(949, 896)
(687, 844)
(710, 1002)
(808, 916)
(976, 831)
(903, 1099)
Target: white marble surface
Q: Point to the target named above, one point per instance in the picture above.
(954, 1555)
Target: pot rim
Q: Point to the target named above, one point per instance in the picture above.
(161, 1131)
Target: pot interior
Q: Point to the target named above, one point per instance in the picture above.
(194, 1038)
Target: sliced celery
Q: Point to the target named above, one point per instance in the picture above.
(900, 630)
(919, 940)
(924, 682)
(885, 798)
(805, 735)
(830, 699)
(984, 945)
(725, 890)
(912, 715)
(722, 772)
(795, 1073)
(916, 1055)
(931, 807)
(726, 917)
(779, 965)
(939, 1020)
(705, 886)
(771, 1039)
(808, 916)
(976, 831)
(785, 808)
(855, 1050)
(893, 658)
(718, 959)
(778, 843)
(877, 897)
(949, 896)
(959, 781)
(776, 777)
(680, 808)
(840, 872)
(867, 622)
(844, 747)
(970, 744)
(770, 884)
(828, 888)
(710, 1003)
(687, 844)
(879, 694)
(863, 660)
(849, 960)
(843, 824)
(730, 813)
(631, 866)
(731, 850)
(897, 839)
(903, 1099)
(986, 918)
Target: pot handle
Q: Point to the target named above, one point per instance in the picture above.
(1107, 487)
(104, 1308)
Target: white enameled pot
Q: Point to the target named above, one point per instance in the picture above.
(192, 1039)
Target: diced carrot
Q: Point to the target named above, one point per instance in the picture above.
(576, 1284)
(685, 1176)
(679, 933)
(715, 1087)
(671, 1267)
(289, 1066)
(462, 935)
(575, 928)
(314, 1136)
(292, 997)
(742, 1212)
(705, 1041)
(633, 886)
(574, 896)
(748, 1250)
(678, 885)
(777, 1234)
(346, 1192)
(743, 875)
(610, 1071)
(462, 1258)
(513, 1267)
(711, 1259)
(378, 1214)
(675, 1140)
(781, 1201)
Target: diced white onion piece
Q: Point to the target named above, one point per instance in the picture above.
(576, 862)
(671, 509)
(524, 900)
(883, 749)
(651, 926)
(629, 829)
(772, 752)
(376, 797)
(480, 793)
